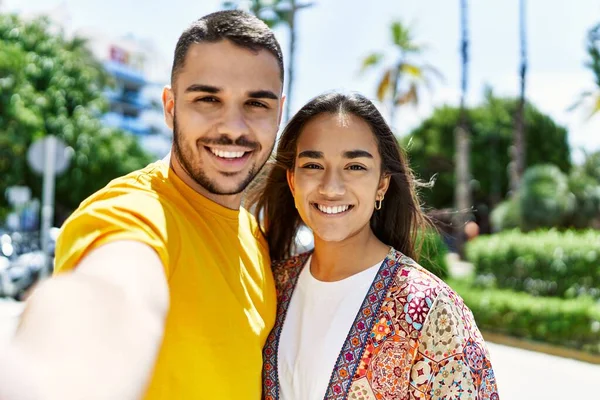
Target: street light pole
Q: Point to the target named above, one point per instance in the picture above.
(48, 200)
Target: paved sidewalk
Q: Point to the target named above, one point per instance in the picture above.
(527, 375)
(458, 268)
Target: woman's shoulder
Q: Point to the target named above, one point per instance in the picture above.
(421, 290)
(442, 331)
(410, 271)
(414, 278)
(287, 270)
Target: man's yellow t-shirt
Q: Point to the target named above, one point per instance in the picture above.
(217, 265)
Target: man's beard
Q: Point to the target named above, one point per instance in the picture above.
(185, 158)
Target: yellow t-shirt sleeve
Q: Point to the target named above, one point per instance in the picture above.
(138, 217)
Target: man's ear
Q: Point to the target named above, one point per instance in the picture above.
(168, 100)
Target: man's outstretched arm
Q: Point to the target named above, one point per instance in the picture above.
(93, 333)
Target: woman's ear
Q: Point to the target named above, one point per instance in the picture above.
(384, 183)
(290, 180)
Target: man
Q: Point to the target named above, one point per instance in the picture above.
(166, 254)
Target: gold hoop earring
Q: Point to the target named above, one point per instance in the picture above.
(378, 203)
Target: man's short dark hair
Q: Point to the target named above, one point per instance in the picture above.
(239, 27)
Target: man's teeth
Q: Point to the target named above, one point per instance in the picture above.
(333, 210)
(228, 154)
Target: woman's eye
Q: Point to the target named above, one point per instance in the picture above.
(357, 168)
(311, 166)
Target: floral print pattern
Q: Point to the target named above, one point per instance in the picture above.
(413, 339)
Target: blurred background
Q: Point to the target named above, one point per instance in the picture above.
(495, 102)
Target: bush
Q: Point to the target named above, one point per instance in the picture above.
(586, 190)
(507, 215)
(545, 199)
(573, 323)
(545, 263)
(548, 198)
(591, 165)
(433, 254)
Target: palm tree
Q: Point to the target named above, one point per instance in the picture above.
(593, 50)
(275, 13)
(518, 150)
(462, 139)
(401, 80)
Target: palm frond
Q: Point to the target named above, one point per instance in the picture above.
(582, 97)
(370, 61)
(384, 85)
(401, 35)
(413, 70)
(410, 96)
(429, 69)
(595, 106)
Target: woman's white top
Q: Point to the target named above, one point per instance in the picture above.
(319, 317)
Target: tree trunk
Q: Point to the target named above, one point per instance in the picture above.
(518, 151)
(392, 114)
(395, 78)
(291, 60)
(462, 194)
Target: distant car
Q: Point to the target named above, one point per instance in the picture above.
(19, 275)
(22, 262)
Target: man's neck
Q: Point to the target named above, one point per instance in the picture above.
(232, 202)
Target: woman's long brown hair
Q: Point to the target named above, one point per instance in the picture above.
(270, 198)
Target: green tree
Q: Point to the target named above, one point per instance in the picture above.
(275, 13)
(52, 85)
(430, 147)
(404, 77)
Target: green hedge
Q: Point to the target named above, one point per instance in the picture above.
(573, 323)
(544, 263)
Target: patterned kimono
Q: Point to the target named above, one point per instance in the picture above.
(413, 338)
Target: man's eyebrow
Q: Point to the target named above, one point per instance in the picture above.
(202, 88)
(263, 94)
(255, 94)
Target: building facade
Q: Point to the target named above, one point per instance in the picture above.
(139, 76)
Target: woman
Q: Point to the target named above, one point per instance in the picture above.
(357, 317)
